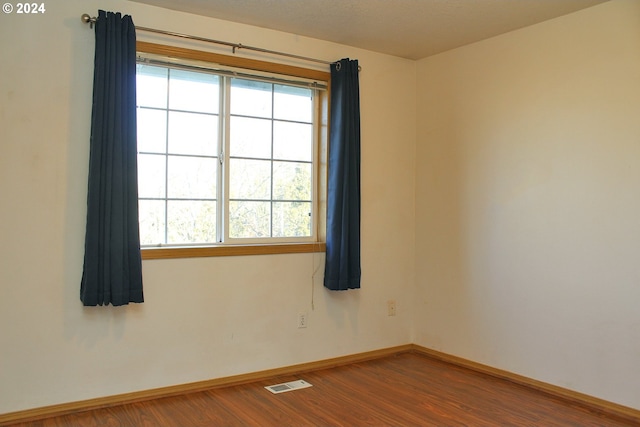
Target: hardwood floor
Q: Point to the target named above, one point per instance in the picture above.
(408, 389)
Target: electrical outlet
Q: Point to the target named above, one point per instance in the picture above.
(302, 320)
(391, 307)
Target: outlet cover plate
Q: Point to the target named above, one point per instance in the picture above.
(303, 319)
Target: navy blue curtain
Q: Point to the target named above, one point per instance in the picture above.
(342, 267)
(112, 271)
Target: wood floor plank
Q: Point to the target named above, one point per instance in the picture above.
(408, 389)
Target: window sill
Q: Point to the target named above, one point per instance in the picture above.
(240, 250)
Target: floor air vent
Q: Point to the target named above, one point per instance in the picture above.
(292, 385)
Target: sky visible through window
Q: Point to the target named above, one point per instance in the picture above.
(269, 156)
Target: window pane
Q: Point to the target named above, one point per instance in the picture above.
(151, 175)
(292, 103)
(193, 133)
(192, 91)
(192, 177)
(250, 137)
(249, 219)
(250, 179)
(291, 219)
(269, 163)
(250, 98)
(291, 181)
(191, 221)
(292, 141)
(151, 86)
(151, 219)
(152, 130)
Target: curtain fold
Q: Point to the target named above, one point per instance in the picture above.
(342, 266)
(112, 272)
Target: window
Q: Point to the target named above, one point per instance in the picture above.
(226, 156)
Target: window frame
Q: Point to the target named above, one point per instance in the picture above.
(238, 249)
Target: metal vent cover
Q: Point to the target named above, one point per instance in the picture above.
(291, 385)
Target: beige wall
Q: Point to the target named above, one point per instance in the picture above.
(528, 202)
(203, 318)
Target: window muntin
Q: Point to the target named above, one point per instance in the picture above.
(191, 193)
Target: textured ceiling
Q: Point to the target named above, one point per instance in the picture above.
(411, 29)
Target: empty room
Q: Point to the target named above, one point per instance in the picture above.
(488, 271)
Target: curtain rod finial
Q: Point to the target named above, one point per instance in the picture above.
(87, 19)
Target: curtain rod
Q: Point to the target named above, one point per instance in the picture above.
(87, 19)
